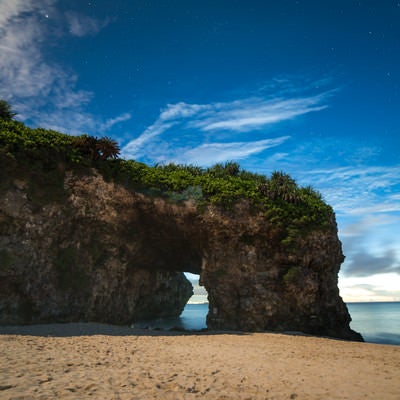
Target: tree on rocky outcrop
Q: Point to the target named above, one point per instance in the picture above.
(219, 170)
(107, 148)
(97, 149)
(232, 168)
(280, 186)
(6, 113)
(87, 145)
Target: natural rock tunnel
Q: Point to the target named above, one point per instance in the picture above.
(104, 253)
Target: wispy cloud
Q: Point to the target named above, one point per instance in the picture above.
(23, 72)
(105, 126)
(255, 113)
(40, 90)
(208, 154)
(82, 25)
(365, 199)
(367, 223)
(358, 191)
(383, 287)
(192, 133)
(12, 8)
(136, 148)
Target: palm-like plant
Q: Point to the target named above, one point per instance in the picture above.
(232, 168)
(107, 148)
(6, 112)
(87, 145)
(219, 170)
(280, 186)
(97, 149)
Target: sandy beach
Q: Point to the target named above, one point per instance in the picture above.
(80, 361)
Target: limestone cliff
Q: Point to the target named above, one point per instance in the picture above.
(79, 259)
(87, 249)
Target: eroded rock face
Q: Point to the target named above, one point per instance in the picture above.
(94, 251)
(255, 283)
(86, 258)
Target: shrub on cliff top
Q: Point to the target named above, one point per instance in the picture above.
(20, 140)
(284, 203)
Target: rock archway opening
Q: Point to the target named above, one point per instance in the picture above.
(200, 295)
(173, 247)
(194, 315)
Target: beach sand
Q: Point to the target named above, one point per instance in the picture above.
(81, 361)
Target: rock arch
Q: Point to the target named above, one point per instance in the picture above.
(254, 282)
(108, 254)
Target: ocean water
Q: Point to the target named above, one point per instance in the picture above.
(377, 322)
(193, 317)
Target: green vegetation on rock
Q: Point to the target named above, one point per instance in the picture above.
(292, 275)
(292, 209)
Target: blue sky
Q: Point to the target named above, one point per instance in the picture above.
(308, 87)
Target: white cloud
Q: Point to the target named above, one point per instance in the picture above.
(23, 72)
(10, 9)
(359, 191)
(27, 78)
(137, 148)
(195, 126)
(82, 25)
(208, 154)
(367, 223)
(39, 89)
(381, 287)
(182, 110)
(255, 113)
(105, 126)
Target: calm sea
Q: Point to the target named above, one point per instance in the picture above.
(377, 322)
